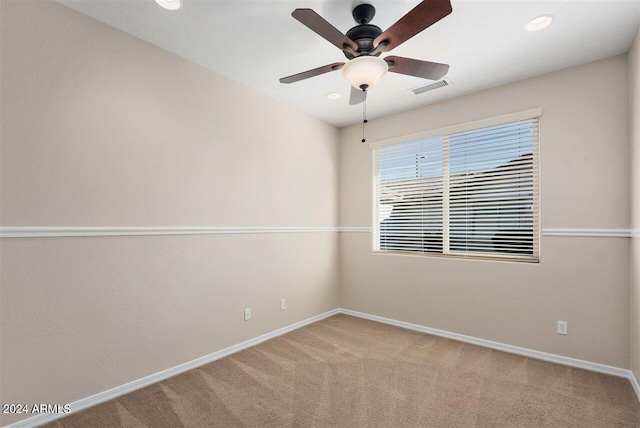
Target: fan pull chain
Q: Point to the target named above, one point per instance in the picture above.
(364, 117)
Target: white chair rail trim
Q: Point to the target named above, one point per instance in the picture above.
(606, 233)
(69, 231)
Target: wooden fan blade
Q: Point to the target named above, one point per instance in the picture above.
(419, 18)
(311, 73)
(415, 67)
(357, 96)
(321, 27)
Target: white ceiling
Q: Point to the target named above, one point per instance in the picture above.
(256, 42)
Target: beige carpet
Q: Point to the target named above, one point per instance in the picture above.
(349, 372)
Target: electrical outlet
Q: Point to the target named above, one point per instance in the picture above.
(283, 304)
(562, 327)
(247, 314)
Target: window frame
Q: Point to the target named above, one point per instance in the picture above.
(535, 113)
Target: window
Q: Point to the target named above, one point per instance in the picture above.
(465, 191)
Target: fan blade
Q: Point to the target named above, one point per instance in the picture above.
(419, 18)
(321, 27)
(357, 96)
(310, 73)
(414, 67)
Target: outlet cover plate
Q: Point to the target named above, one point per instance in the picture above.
(562, 327)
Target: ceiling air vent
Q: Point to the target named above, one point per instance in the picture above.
(431, 86)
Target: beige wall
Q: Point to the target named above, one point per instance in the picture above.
(634, 127)
(102, 129)
(584, 184)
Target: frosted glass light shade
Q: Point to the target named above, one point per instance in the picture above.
(170, 4)
(364, 70)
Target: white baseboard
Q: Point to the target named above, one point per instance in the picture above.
(634, 383)
(567, 361)
(165, 374)
(157, 377)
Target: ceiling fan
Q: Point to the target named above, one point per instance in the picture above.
(364, 43)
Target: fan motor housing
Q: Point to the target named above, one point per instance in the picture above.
(363, 35)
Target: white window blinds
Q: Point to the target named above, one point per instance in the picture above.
(470, 194)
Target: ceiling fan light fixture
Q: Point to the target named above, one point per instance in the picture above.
(364, 70)
(170, 4)
(539, 23)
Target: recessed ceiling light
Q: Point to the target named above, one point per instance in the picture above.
(539, 23)
(334, 96)
(170, 4)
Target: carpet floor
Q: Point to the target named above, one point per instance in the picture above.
(349, 372)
